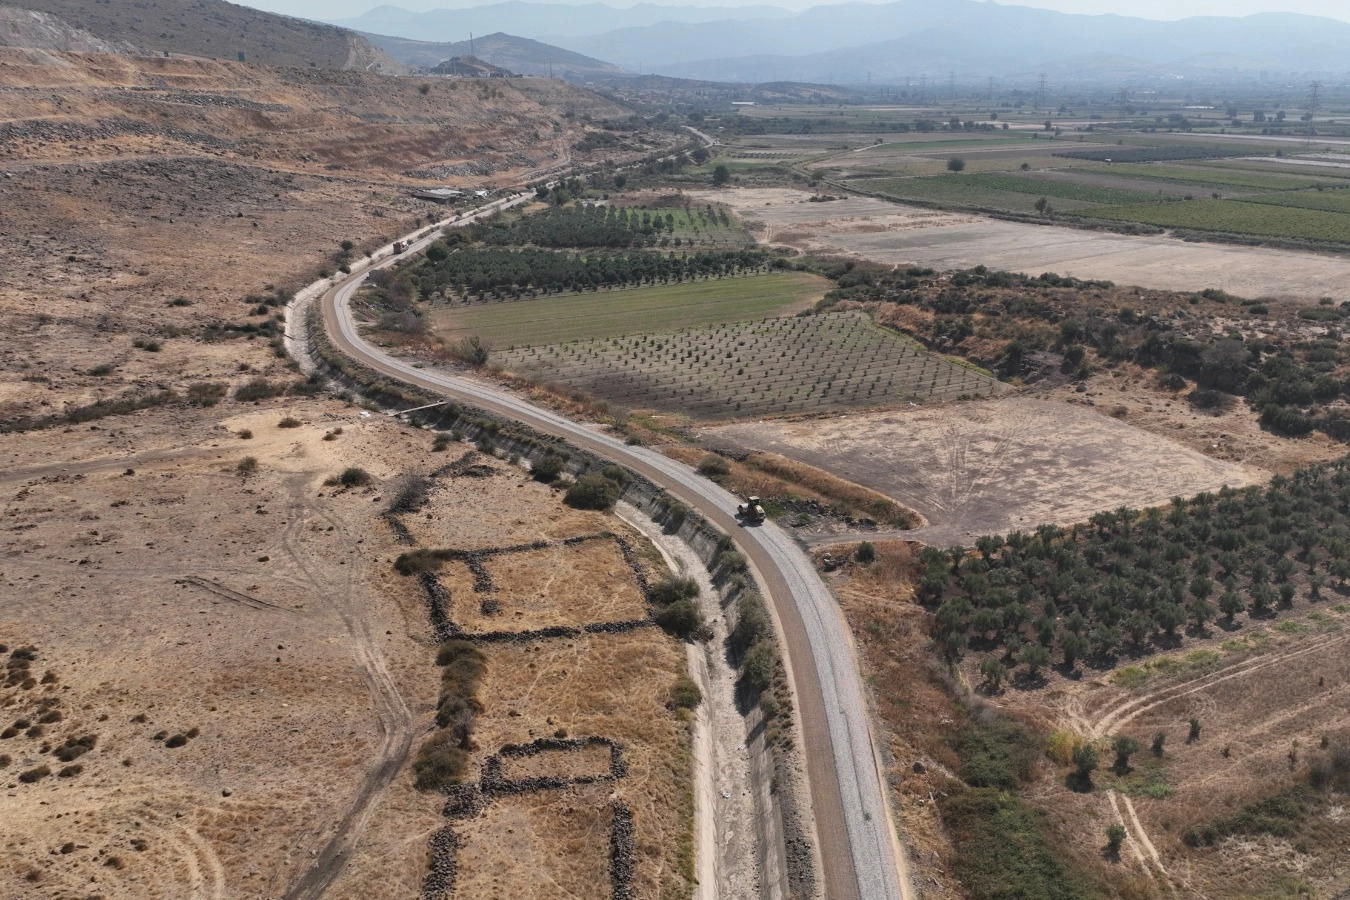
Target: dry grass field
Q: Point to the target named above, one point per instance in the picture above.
(170, 595)
(995, 465)
(577, 686)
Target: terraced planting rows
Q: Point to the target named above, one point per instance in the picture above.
(774, 366)
(1238, 217)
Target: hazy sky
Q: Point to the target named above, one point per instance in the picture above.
(1152, 9)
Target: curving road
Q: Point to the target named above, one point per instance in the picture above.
(861, 859)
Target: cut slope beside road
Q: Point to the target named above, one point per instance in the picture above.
(857, 844)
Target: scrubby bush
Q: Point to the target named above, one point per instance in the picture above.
(409, 494)
(547, 469)
(247, 466)
(592, 492)
(713, 466)
(866, 553)
(681, 618)
(354, 476)
(289, 422)
(672, 590)
(686, 694)
(760, 666)
(259, 389)
(439, 763)
(35, 774)
(416, 561)
(753, 624)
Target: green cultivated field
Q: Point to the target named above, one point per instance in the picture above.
(668, 307)
(1328, 201)
(773, 366)
(992, 190)
(1206, 175)
(1237, 217)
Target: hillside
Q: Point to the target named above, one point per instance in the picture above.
(215, 29)
(538, 20)
(521, 55)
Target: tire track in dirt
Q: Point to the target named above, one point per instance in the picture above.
(1132, 843)
(1114, 717)
(393, 719)
(202, 851)
(1110, 720)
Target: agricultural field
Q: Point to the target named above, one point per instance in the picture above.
(1226, 713)
(895, 234)
(670, 224)
(1236, 217)
(1010, 174)
(770, 367)
(1206, 176)
(607, 314)
(995, 465)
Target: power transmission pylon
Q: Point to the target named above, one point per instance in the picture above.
(1040, 92)
(1313, 90)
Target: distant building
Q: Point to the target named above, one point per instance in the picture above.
(742, 103)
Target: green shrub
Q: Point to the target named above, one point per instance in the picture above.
(1001, 848)
(672, 590)
(547, 469)
(995, 752)
(866, 553)
(681, 618)
(686, 694)
(592, 492)
(753, 623)
(207, 393)
(713, 466)
(760, 665)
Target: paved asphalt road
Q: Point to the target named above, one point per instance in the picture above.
(860, 854)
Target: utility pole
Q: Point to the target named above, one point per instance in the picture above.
(951, 86)
(471, 50)
(991, 93)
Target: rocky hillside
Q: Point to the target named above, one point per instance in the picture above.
(212, 29)
(42, 31)
(517, 54)
(130, 182)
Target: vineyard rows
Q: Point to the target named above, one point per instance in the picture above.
(773, 366)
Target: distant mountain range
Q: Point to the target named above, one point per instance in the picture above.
(890, 42)
(520, 55)
(539, 20)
